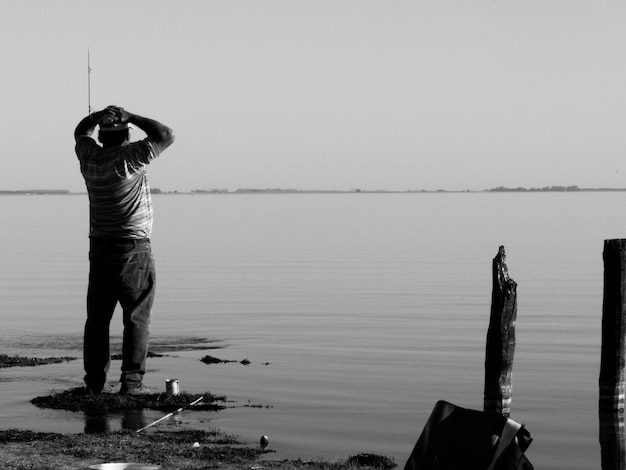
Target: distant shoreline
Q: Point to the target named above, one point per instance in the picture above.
(549, 189)
(34, 191)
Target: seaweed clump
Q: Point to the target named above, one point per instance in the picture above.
(215, 360)
(22, 361)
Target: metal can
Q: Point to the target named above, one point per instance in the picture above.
(172, 387)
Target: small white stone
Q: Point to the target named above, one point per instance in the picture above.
(196, 445)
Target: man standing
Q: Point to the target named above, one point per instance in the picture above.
(121, 266)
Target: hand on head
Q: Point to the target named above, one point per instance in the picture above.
(107, 116)
(120, 113)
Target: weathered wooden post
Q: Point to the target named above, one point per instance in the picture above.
(611, 403)
(613, 324)
(500, 339)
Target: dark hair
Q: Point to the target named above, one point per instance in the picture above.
(113, 138)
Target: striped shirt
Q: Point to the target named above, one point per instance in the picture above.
(119, 195)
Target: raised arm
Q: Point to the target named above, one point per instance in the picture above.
(162, 135)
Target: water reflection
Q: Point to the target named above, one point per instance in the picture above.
(101, 423)
(612, 440)
(133, 420)
(96, 424)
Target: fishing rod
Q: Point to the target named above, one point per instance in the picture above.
(169, 415)
(89, 79)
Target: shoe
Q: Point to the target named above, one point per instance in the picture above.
(141, 389)
(109, 389)
(106, 388)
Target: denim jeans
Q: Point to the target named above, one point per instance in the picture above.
(121, 270)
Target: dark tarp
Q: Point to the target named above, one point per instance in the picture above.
(456, 438)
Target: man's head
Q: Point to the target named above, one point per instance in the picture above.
(113, 134)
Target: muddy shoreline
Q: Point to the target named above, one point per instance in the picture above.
(175, 450)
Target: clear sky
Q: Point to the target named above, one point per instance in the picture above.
(317, 94)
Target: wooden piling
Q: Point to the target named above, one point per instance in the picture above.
(613, 327)
(612, 452)
(500, 339)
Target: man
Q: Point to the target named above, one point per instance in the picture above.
(120, 257)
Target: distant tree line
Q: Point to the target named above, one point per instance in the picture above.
(36, 191)
(545, 188)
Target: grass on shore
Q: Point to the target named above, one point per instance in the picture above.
(28, 450)
(76, 399)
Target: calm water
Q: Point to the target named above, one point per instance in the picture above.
(357, 312)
